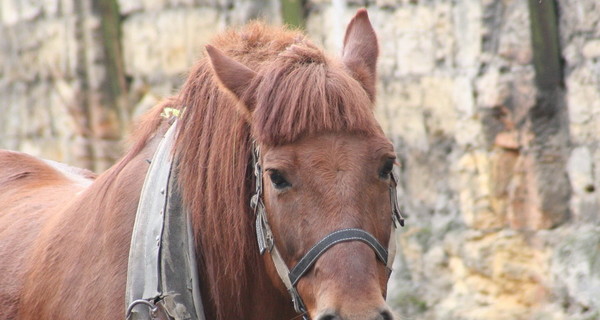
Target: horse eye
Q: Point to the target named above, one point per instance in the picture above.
(278, 180)
(387, 168)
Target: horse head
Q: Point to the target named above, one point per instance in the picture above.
(323, 167)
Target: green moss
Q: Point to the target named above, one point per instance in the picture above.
(111, 38)
(544, 38)
(292, 12)
(409, 304)
(423, 237)
(593, 316)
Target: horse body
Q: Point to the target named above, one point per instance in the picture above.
(64, 244)
(23, 178)
(63, 241)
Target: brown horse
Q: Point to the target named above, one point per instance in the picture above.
(65, 234)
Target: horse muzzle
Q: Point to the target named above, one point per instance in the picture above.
(380, 314)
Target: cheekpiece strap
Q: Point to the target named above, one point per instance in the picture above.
(264, 236)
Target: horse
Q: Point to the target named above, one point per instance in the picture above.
(326, 164)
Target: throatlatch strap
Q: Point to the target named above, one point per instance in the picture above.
(332, 239)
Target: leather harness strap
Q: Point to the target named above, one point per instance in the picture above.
(162, 276)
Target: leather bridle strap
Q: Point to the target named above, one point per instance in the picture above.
(264, 236)
(329, 241)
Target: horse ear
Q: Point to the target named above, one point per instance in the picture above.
(360, 51)
(234, 76)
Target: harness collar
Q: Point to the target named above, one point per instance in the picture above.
(162, 276)
(265, 239)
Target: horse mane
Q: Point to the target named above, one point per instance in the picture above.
(298, 91)
(302, 92)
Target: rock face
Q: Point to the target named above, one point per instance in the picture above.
(76, 72)
(492, 105)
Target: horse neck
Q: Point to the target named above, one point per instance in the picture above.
(213, 151)
(234, 280)
(257, 298)
(93, 233)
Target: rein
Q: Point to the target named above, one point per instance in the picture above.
(265, 239)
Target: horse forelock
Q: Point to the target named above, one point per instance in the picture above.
(298, 91)
(303, 92)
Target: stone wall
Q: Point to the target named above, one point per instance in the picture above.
(493, 106)
(61, 83)
(76, 72)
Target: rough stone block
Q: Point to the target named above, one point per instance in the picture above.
(538, 201)
(127, 7)
(475, 192)
(575, 270)
(496, 275)
(578, 16)
(468, 33)
(45, 49)
(415, 51)
(327, 26)
(515, 37)
(584, 200)
(580, 170)
(386, 64)
(583, 100)
(400, 109)
(591, 49)
(159, 46)
(15, 11)
(439, 105)
(243, 11)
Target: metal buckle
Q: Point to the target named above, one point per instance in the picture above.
(298, 304)
(263, 232)
(258, 175)
(256, 197)
(254, 202)
(264, 236)
(397, 218)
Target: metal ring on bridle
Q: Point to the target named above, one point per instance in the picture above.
(152, 306)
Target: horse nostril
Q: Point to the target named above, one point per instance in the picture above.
(383, 315)
(386, 315)
(329, 316)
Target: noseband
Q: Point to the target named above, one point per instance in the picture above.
(264, 236)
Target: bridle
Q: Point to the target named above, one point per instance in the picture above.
(290, 278)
